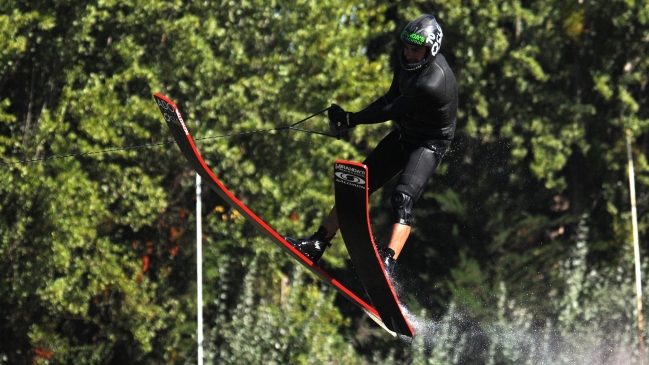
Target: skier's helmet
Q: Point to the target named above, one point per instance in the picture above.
(423, 31)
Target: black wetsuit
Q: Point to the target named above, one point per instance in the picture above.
(423, 103)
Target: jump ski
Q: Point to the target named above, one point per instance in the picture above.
(180, 132)
(351, 184)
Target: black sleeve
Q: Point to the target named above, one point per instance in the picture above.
(374, 112)
(394, 110)
(377, 104)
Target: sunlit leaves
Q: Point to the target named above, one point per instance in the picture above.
(547, 91)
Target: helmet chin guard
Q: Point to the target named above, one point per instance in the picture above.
(415, 65)
(425, 32)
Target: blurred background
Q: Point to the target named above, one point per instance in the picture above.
(522, 249)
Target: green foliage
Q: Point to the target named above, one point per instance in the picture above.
(520, 242)
(299, 328)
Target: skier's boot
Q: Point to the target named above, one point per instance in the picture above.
(387, 257)
(312, 247)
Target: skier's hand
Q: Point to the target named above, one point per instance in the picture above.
(339, 120)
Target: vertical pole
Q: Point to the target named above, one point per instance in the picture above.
(199, 269)
(636, 249)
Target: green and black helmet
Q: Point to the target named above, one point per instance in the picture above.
(423, 31)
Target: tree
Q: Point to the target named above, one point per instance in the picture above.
(96, 250)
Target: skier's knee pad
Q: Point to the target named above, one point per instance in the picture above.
(402, 208)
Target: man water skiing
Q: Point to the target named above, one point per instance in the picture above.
(422, 100)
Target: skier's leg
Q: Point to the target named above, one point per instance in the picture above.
(422, 163)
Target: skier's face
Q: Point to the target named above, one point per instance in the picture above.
(413, 53)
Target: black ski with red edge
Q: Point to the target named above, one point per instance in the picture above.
(352, 207)
(179, 130)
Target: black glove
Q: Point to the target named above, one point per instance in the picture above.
(339, 120)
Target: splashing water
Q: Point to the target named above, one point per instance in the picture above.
(459, 338)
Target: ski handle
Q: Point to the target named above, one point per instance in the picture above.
(292, 126)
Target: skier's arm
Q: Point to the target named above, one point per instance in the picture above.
(390, 111)
(383, 101)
